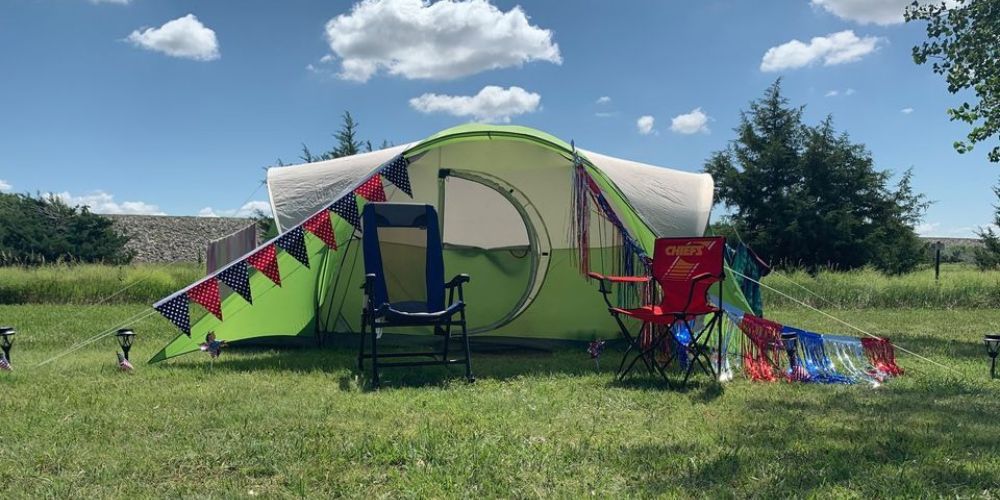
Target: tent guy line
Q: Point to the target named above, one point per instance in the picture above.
(133, 320)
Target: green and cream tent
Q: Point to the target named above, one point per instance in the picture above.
(505, 197)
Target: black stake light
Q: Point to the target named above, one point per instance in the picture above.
(992, 342)
(7, 340)
(125, 338)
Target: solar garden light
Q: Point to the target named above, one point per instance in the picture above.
(125, 338)
(7, 340)
(992, 341)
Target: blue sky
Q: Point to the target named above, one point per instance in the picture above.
(175, 106)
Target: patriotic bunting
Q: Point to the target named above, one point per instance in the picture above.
(396, 172)
(372, 189)
(319, 225)
(347, 209)
(238, 279)
(294, 242)
(206, 293)
(176, 310)
(265, 260)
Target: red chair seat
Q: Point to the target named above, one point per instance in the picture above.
(657, 315)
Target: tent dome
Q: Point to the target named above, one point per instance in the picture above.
(504, 197)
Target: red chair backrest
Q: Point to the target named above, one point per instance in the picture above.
(677, 262)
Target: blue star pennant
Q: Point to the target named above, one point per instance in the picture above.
(347, 209)
(237, 278)
(395, 171)
(294, 242)
(176, 310)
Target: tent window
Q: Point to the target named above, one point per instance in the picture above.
(477, 216)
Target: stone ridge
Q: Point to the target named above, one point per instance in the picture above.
(166, 238)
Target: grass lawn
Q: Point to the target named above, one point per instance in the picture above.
(298, 422)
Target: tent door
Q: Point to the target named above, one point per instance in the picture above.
(492, 229)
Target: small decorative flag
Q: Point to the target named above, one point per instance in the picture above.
(213, 348)
(206, 293)
(396, 172)
(319, 225)
(4, 364)
(123, 363)
(176, 310)
(372, 189)
(294, 242)
(347, 209)
(595, 349)
(265, 260)
(238, 279)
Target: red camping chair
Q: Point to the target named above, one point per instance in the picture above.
(685, 269)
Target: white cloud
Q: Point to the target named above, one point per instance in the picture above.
(448, 39)
(491, 104)
(5, 186)
(248, 209)
(932, 229)
(184, 37)
(323, 67)
(835, 93)
(645, 124)
(927, 228)
(882, 12)
(835, 48)
(906, 111)
(104, 203)
(603, 100)
(690, 123)
(116, 2)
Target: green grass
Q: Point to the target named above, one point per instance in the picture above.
(90, 283)
(298, 422)
(960, 285)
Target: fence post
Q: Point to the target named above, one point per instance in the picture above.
(937, 260)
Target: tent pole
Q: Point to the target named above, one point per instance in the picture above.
(442, 176)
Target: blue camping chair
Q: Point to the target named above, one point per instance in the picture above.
(404, 285)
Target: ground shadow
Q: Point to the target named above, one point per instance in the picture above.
(490, 360)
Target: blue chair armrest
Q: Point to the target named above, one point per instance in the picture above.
(457, 281)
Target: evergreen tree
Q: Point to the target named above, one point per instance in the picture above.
(808, 196)
(988, 257)
(36, 230)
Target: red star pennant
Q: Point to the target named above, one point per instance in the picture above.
(206, 293)
(319, 225)
(265, 260)
(372, 189)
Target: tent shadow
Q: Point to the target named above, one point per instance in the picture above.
(489, 363)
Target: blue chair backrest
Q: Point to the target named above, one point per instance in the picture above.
(402, 248)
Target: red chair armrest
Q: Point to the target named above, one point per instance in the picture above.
(619, 279)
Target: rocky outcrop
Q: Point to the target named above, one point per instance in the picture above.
(164, 238)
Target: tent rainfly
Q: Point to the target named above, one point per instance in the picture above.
(505, 198)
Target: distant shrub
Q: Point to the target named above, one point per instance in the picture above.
(44, 229)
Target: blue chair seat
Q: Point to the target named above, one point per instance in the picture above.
(415, 313)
